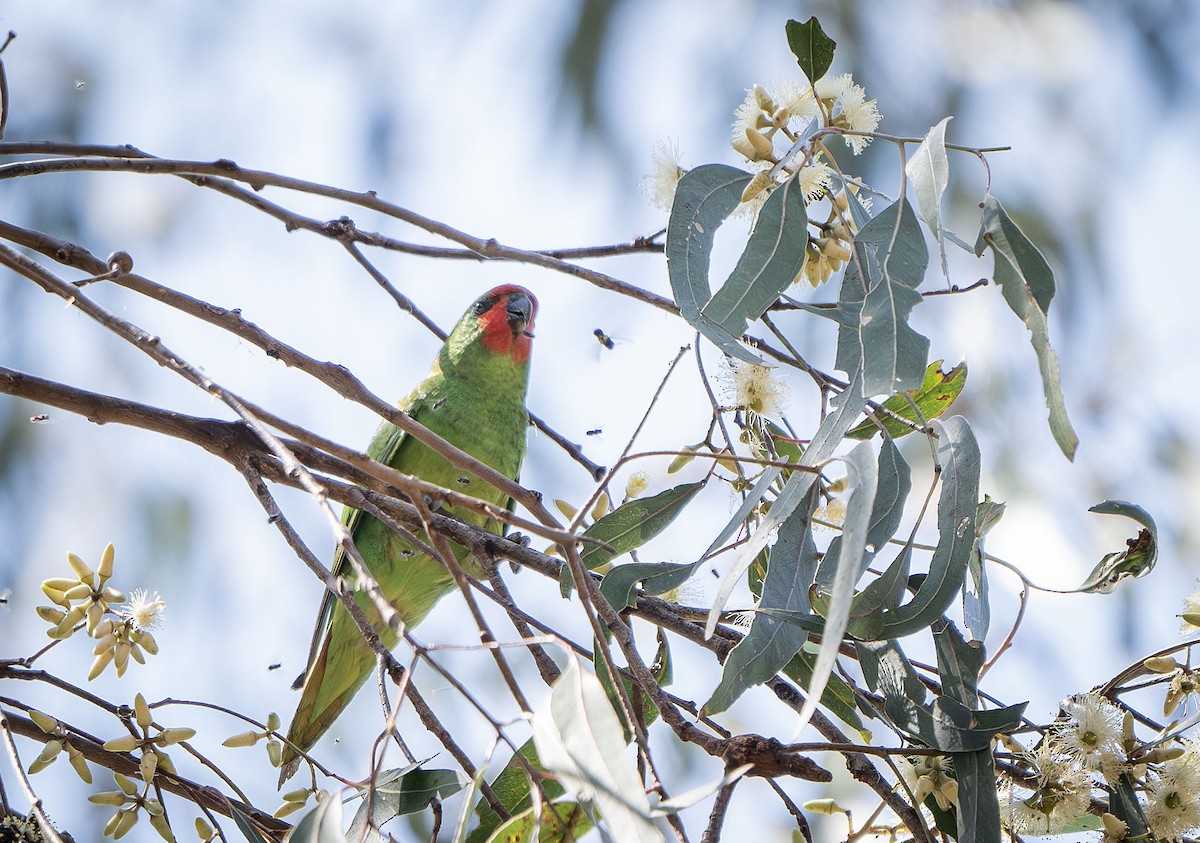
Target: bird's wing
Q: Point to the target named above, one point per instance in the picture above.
(384, 448)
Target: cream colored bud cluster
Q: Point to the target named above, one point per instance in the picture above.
(87, 601)
(271, 736)
(1183, 683)
(777, 114)
(151, 746)
(129, 801)
(296, 799)
(1088, 748)
(59, 743)
(825, 254)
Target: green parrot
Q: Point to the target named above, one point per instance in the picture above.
(474, 398)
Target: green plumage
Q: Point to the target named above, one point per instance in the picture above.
(474, 398)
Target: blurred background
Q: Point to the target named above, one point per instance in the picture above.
(533, 123)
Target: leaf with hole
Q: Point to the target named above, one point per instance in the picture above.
(932, 398)
(1135, 560)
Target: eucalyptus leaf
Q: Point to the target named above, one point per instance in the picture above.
(932, 398)
(245, 826)
(1027, 283)
(635, 522)
(1138, 557)
(771, 643)
(560, 821)
(864, 479)
(659, 577)
(580, 739)
(512, 788)
(894, 355)
(404, 794)
(959, 663)
(704, 198)
(978, 808)
(977, 613)
(323, 824)
(929, 171)
(812, 48)
(887, 263)
(773, 256)
(822, 446)
(958, 456)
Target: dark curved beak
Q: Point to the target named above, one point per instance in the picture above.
(519, 309)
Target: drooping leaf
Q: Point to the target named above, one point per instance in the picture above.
(936, 393)
(773, 256)
(895, 482)
(929, 170)
(864, 480)
(579, 738)
(977, 613)
(771, 643)
(1124, 804)
(959, 663)
(894, 355)
(1027, 282)
(958, 456)
(704, 198)
(812, 48)
(978, 808)
(323, 824)
(880, 594)
(635, 522)
(838, 697)
(1138, 557)
(404, 794)
(824, 442)
(887, 263)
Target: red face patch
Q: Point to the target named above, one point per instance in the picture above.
(506, 315)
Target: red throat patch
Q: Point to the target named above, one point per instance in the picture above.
(498, 334)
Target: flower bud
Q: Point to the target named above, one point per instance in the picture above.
(44, 721)
(242, 739)
(823, 806)
(51, 614)
(79, 764)
(148, 765)
(173, 736)
(99, 664)
(141, 712)
(105, 569)
(47, 757)
(108, 797)
(160, 824)
(125, 743)
(81, 569)
(1161, 664)
(763, 148)
(275, 753)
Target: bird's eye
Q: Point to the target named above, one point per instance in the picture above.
(482, 306)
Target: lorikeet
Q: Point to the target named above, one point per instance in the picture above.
(473, 397)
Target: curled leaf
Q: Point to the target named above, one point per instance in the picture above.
(1136, 560)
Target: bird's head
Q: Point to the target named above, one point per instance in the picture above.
(504, 319)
